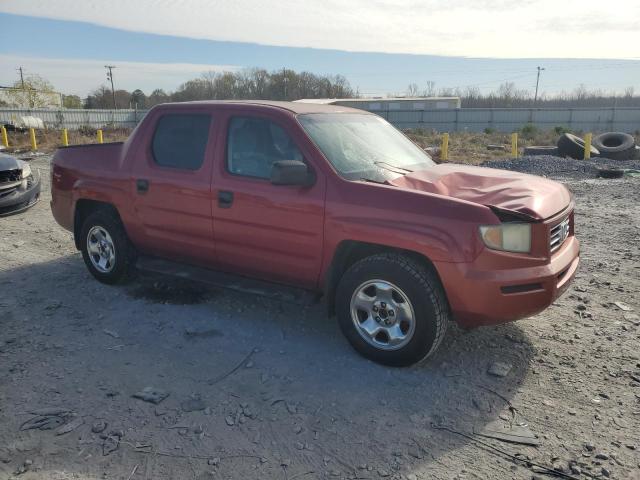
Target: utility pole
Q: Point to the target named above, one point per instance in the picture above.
(21, 77)
(284, 82)
(24, 89)
(535, 98)
(110, 77)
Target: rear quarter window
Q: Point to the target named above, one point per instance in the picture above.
(180, 140)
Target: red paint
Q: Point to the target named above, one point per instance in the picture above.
(290, 234)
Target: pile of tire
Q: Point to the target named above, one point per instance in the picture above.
(611, 145)
(615, 145)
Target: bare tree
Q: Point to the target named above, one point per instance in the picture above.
(507, 90)
(429, 89)
(412, 90)
(291, 85)
(580, 93)
(157, 97)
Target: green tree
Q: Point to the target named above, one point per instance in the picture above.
(72, 101)
(138, 99)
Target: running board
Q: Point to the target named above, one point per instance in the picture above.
(229, 281)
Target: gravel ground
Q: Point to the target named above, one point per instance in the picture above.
(551, 166)
(260, 389)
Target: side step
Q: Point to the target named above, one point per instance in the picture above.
(229, 281)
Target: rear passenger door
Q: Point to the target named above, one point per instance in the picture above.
(268, 231)
(171, 179)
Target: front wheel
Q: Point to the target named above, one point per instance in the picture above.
(392, 309)
(106, 250)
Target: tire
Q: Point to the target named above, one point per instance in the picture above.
(106, 225)
(572, 146)
(615, 145)
(415, 292)
(610, 172)
(540, 150)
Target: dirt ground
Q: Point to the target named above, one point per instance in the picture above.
(259, 389)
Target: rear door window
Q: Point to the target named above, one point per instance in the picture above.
(254, 144)
(180, 140)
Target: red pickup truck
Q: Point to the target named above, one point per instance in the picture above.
(328, 199)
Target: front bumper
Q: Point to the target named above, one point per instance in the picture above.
(23, 196)
(485, 296)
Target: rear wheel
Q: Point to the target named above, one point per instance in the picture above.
(106, 250)
(392, 309)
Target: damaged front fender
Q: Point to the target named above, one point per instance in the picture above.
(19, 186)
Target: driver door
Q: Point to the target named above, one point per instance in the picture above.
(263, 230)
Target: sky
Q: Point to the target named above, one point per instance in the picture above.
(379, 45)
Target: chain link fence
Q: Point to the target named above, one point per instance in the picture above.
(74, 119)
(449, 120)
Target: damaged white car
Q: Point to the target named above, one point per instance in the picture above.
(19, 186)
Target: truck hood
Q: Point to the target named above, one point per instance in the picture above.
(535, 197)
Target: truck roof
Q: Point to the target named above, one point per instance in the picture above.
(294, 107)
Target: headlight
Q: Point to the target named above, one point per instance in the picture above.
(509, 237)
(26, 170)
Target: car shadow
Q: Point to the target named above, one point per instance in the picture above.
(283, 389)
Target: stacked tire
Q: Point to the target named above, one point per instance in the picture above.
(611, 145)
(615, 145)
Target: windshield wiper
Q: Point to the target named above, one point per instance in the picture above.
(393, 167)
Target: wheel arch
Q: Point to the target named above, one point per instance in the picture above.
(348, 252)
(85, 207)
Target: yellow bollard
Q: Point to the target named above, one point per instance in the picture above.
(514, 145)
(65, 138)
(32, 135)
(100, 136)
(444, 152)
(587, 146)
(5, 138)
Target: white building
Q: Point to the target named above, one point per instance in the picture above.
(394, 104)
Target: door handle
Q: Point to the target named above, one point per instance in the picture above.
(225, 199)
(142, 185)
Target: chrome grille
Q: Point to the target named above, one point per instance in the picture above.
(559, 234)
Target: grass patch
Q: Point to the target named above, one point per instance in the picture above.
(467, 147)
(49, 140)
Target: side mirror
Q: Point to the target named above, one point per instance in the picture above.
(291, 172)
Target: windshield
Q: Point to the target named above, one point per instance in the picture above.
(363, 146)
